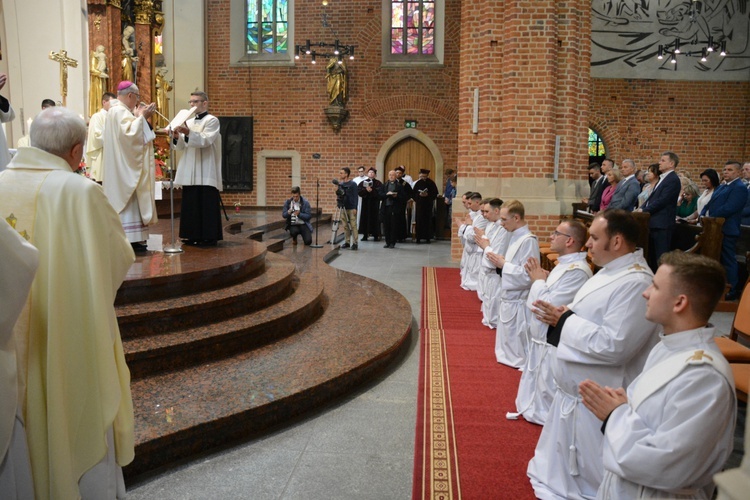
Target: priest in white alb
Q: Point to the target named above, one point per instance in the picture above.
(95, 140)
(674, 429)
(537, 386)
(128, 176)
(493, 239)
(73, 383)
(511, 337)
(602, 335)
(17, 267)
(460, 233)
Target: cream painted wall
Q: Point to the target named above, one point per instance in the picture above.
(185, 48)
(30, 30)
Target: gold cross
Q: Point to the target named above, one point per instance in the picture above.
(637, 267)
(699, 355)
(65, 61)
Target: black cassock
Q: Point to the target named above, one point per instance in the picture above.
(402, 226)
(424, 205)
(369, 219)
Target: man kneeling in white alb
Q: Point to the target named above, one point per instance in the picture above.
(674, 429)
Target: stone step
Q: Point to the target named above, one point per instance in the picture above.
(185, 348)
(191, 410)
(200, 308)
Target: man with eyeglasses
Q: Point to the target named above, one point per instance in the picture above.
(537, 386)
(604, 336)
(199, 174)
(128, 170)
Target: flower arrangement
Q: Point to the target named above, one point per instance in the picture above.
(161, 159)
(82, 169)
(237, 206)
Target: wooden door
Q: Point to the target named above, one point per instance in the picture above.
(413, 155)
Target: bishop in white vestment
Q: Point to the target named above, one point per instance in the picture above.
(128, 176)
(604, 336)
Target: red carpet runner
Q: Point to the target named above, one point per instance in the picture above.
(465, 448)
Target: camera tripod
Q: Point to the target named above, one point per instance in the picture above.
(338, 216)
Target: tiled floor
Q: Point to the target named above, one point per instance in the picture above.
(360, 448)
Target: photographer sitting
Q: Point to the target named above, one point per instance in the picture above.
(297, 213)
(347, 198)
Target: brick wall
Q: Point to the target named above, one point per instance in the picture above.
(287, 102)
(705, 123)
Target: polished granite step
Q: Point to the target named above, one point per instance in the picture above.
(186, 412)
(159, 275)
(148, 355)
(184, 311)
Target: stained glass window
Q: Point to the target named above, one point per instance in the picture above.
(413, 27)
(267, 26)
(596, 146)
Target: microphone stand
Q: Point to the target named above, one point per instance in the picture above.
(317, 213)
(174, 248)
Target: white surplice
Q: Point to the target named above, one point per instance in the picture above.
(672, 444)
(200, 164)
(95, 144)
(537, 386)
(473, 253)
(511, 339)
(462, 240)
(607, 340)
(129, 169)
(489, 279)
(17, 267)
(494, 233)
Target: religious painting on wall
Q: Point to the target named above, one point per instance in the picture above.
(237, 152)
(628, 36)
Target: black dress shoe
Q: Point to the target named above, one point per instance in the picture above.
(354, 247)
(139, 247)
(207, 243)
(345, 245)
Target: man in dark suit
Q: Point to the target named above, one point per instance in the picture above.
(597, 187)
(627, 190)
(662, 205)
(728, 201)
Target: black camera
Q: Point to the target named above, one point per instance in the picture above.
(340, 193)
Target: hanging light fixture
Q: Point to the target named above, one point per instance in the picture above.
(702, 49)
(335, 49)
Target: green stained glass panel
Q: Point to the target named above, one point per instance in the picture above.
(252, 11)
(252, 37)
(266, 10)
(412, 41)
(282, 37)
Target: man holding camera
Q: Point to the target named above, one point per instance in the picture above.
(298, 213)
(347, 198)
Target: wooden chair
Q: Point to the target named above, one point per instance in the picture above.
(708, 242)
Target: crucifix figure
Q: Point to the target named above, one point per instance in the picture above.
(65, 61)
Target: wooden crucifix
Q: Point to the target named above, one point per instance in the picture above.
(65, 61)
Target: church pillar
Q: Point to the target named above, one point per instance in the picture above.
(530, 64)
(144, 10)
(114, 45)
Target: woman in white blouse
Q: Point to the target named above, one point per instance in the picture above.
(710, 181)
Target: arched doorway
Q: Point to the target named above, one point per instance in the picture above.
(385, 152)
(413, 155)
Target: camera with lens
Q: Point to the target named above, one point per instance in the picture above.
(340, 193)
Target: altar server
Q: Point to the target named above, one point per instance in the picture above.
(95, 141)
(494, 239)
(473, 220)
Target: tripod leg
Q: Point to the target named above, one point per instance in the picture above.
(335, 225)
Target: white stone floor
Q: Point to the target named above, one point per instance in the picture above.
(359, 448)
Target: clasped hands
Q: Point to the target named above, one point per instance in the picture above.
(601, 401)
